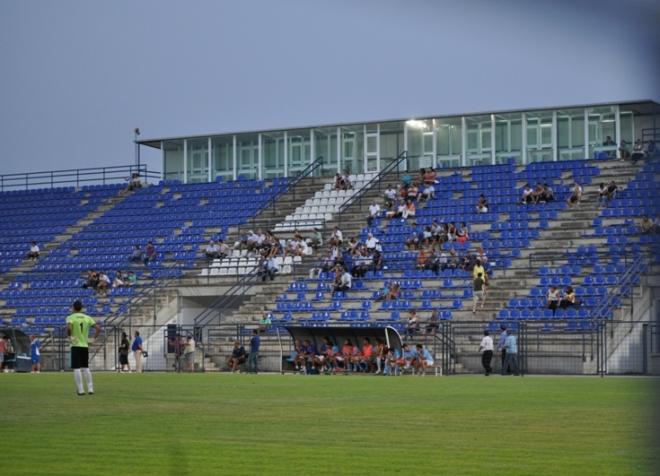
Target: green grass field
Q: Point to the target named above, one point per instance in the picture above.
(269, 424)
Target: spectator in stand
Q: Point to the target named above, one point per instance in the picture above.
(33, 254)
(647, 226)
(548, 193)
(339, 182)
(427, 193)
(149, 253)
(482, 204)
(602, 193)
(421, 259)
(478, 292)
(486, 349)
(624, 151)
(610, 191)
(482, 257)
(451, 232)
(372, 242)
(576, 195)
(409, 211)
(267, 268)
(136, 254)
(317, 239)
(343, 282)
(462, 234)
(501, 346)
(131, 278)
(104, 284)
(124, 349)
(390, 197)
(212, 251)
(638, 151)
(537, 194)
(553, 297)
(119, 280)
(337, 237)
(237, 357)
(413, 192)
(92, 279)
(374, 211)
(433, 323)
(608, 141)
(568, 299)
(412, 325)
(527, 194)
(651, 150)
(479, 269)
(430, 176)
(134, 182)
(361, 264)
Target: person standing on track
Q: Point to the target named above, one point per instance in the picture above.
(77, 328)
(486, 349)
(137, 352)
(253, 356)
(501, 345)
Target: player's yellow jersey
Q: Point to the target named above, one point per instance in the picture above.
(80, 325)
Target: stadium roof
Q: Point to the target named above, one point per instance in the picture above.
(640, 106)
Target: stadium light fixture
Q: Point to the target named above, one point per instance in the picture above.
(415, 124)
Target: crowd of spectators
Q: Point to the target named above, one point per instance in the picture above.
(138, 255)
(541, 193)
(101, 282)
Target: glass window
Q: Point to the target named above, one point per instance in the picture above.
(198, 156)
(222, 157)
(248, 156)
(173, 166)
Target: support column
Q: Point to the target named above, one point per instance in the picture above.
(364, 147)
(555, 154)
(405, 144)
(260, 159)
(208, 156)
(312, 146)
(586, 133)
(340, 144)
(463, 141)
(162, 151)
(523, 139)
(185, 160)
(617, 129)
(286, 153)
(378, 148)
(493, 157)
(234, 156)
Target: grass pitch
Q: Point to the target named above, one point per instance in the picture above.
(160, 424)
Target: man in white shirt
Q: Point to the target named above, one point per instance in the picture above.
(345, 282)
(371, 242)
(34, 251)
(212, 251)
(374, 211)
(486, 349)
(337, 236)
(390, 196)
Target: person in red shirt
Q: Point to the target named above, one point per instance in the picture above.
(367, 357)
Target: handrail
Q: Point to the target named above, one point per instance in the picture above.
(377, 178)
(307, 171)
(633, 271)
(51, 178)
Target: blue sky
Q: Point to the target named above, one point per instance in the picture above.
(79, 75)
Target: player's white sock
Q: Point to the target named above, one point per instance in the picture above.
(77, 376)
(88, 378)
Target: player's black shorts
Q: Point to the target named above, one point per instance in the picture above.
(123, 359)
(79, 357)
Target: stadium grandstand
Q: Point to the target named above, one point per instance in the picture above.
(377, 229)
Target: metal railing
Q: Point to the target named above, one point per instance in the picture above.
(74, 177)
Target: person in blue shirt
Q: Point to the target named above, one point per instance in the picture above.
(392, 362)
(253, 356)
(35, 354)
(409, 354)
(511, 362)
(137, 352)
(423, 359)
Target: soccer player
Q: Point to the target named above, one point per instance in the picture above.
(35, 354)
(78, 325)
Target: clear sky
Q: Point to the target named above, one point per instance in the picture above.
(76, 76)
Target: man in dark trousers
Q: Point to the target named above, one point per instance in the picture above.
(253, 357)
(501, 345)
(486, 349)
